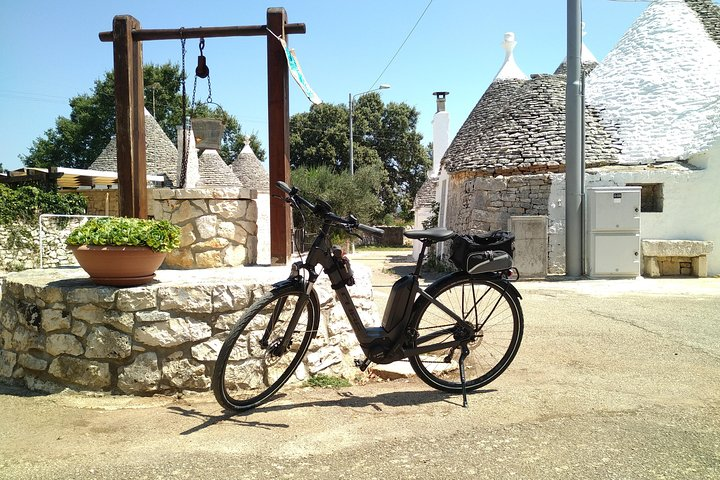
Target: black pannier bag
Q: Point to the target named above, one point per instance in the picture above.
(486, 252)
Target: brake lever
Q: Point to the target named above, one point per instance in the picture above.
(289, 199)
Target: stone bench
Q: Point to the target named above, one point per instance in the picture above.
(675, 257)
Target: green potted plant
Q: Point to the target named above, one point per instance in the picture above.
(121, 251)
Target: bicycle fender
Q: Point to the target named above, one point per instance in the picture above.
(513, 291)
(438, 284)
(296, 284)
(289, 282)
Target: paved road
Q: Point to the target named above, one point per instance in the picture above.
(614, 380)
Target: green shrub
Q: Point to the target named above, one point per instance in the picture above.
(27, 203)
(160, 235)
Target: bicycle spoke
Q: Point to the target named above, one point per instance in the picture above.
(497, 325)
(261, 354)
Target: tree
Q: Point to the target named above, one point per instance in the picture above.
(320, 138)
(384, 137)
(346, 194)
(78, 140)
(405, 158)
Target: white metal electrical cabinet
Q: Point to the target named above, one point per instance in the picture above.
(613, 231)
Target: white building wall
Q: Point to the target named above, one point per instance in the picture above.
(441, 142)
(690, 205)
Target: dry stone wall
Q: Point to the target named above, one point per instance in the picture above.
(219, 226)
(219, 229)
(102, 201)
(60, 331)
(483, 203)
(20, 244)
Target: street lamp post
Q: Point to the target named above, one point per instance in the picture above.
(351, 97)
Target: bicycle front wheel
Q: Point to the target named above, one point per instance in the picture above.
(496, 316)
(264, 350)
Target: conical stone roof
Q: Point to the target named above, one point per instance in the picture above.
(214, 172)
(426, 193)
(661, 83)
(248, 168)
(519, 128)
(161, 153)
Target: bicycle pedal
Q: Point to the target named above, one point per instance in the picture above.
(362, 364)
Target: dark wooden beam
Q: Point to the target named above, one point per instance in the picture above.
(278, 135)
(127, 40)
(203, 32)
(130, 118)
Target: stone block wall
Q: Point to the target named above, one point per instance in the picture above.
(483, 203)
(20, 244)
(219, 226)
(102, 201)
(58, 330)
(219, 229)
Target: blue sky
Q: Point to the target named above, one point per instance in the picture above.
(51, 52)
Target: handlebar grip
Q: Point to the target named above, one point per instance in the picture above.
(283, 186)
(371, 230)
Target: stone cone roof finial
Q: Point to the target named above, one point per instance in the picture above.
(587, 59)
(246, 148)
(510, 69)
(586, 55)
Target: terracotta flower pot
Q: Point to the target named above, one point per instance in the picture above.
(118, 266)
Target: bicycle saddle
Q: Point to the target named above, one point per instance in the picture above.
(436, 234)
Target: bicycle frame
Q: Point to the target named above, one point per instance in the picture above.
(416, 321)
(379, 345)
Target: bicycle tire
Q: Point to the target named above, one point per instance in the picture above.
(498, 325)
(249, 371)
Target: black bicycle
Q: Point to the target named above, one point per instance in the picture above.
(459, 334)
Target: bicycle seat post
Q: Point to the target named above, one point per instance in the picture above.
(421, 256)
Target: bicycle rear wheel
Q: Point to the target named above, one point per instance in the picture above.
(252, 365)
(497, 319)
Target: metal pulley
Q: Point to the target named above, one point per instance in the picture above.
(202, 70)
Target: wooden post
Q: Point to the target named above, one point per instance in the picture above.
(278, 134)
(130, 118)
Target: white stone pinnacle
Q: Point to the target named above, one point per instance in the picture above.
(510, 69)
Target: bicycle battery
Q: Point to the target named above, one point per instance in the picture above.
(400, 302)
(341, 265)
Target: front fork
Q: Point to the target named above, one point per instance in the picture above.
(284, 345)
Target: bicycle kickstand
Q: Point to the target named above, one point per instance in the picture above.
(464, 352)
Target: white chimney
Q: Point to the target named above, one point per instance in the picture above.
(192, 170)
(441, 132)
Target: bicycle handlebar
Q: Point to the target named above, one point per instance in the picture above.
(322, 209)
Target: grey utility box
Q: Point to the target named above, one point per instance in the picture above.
(613, 229)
